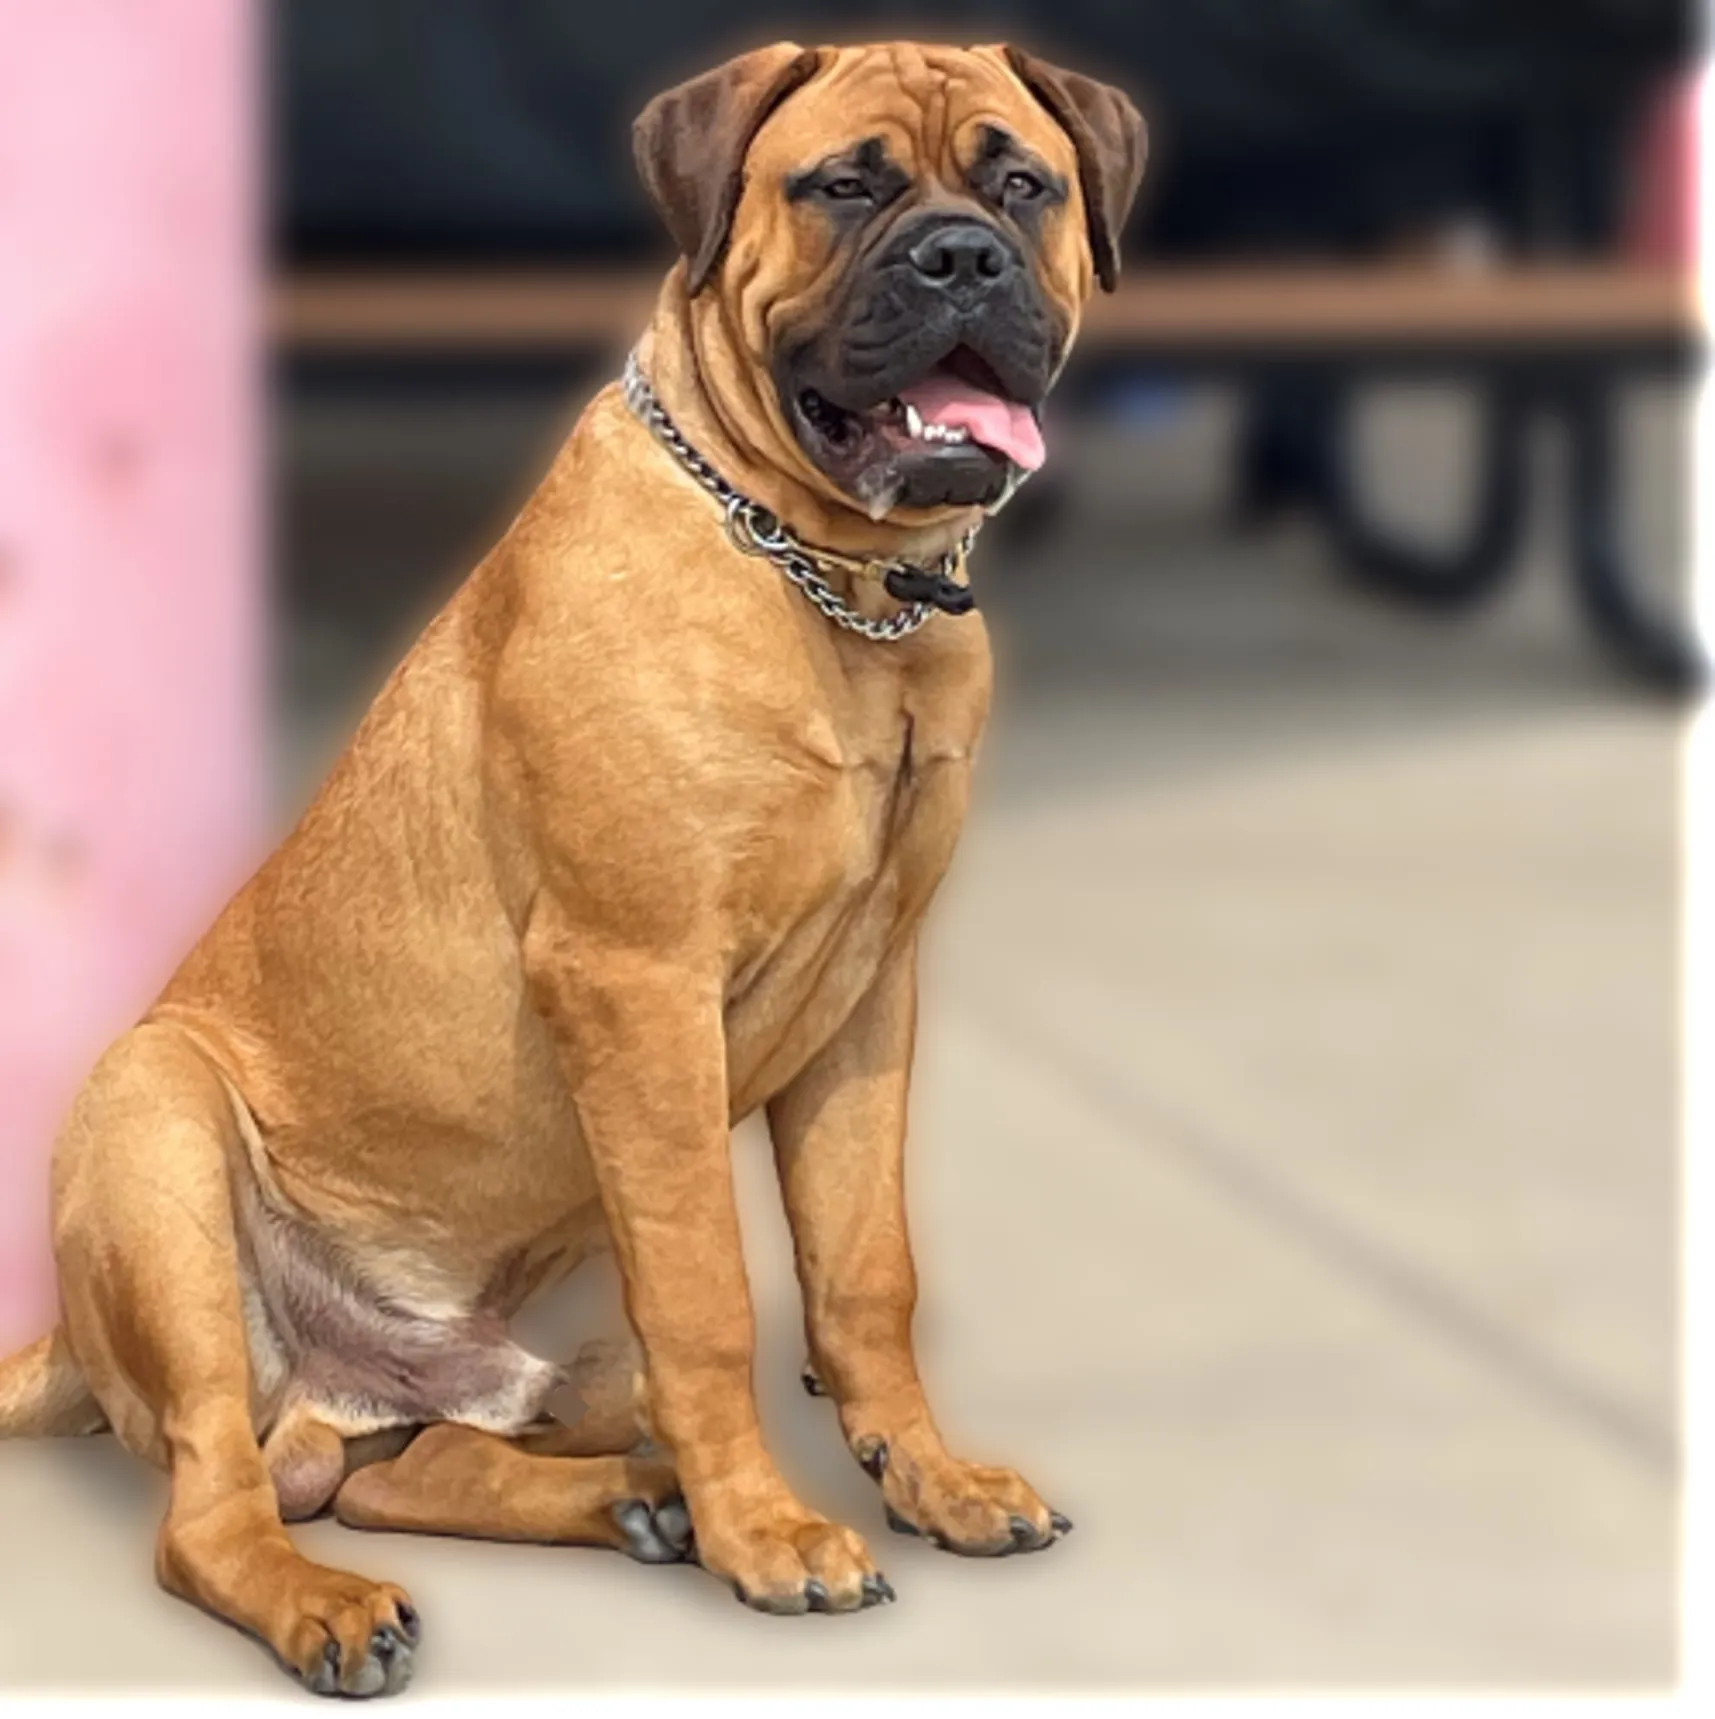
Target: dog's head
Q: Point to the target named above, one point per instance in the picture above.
(899, 242)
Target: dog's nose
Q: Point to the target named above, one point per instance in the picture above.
(965, 255)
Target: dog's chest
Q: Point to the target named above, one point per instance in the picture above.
(856, 862)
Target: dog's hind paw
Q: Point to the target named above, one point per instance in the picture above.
(655, 1533)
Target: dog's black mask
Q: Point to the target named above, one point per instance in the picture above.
(945, 306)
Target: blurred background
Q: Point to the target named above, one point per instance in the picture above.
(1298, 1102)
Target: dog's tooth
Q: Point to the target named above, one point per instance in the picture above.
(914, 425)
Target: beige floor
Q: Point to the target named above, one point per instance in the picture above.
(1295, 1190)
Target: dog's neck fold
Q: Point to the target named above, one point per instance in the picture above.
(723, 401)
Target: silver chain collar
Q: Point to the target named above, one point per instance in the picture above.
(756, 531)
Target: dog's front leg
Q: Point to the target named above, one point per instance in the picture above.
(839, 1136)
(645, 1059)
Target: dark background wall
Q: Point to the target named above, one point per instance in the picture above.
(471, 129)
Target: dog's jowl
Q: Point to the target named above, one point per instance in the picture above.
(635, 842)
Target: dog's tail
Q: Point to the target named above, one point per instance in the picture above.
(43, 1393)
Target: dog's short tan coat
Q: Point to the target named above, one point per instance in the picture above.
(632, 844)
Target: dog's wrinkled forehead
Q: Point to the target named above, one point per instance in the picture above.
(928, 114)
(731, 155)
(882, 131)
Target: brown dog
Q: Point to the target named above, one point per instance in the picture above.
(635, 841)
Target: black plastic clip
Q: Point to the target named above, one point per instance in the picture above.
(915, 585)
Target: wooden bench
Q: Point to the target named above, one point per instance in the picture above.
(1161, 314)
(1559, 339)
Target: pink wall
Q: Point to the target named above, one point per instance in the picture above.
(131, 598)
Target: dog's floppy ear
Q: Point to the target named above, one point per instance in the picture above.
(690, 143)
(1111, 141)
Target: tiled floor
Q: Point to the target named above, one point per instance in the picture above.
(1295, 1184)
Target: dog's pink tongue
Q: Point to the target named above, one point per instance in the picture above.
(996, 423)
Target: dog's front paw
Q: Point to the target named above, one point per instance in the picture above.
(789, 1562)
(961, 1506)
(351, 1637)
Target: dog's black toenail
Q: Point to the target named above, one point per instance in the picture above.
(410, 1623)
(1023, 1533)
(898, 1523)
(1061, 1524)
(673, 1524)
(875, 1589)
(384, 1644)
(738, 1593)
(324, 1680)
(812, 1384)
(872, 1458)
(817, 1595)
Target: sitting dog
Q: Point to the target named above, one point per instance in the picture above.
(636, 841)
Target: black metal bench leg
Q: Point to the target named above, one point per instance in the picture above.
(1652, 646)
(1282, 451)
(1455, 578)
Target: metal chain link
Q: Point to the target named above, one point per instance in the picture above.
(756, 531)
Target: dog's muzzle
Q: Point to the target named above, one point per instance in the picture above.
(924, 386)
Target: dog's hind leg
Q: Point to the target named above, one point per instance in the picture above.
(149, 1278)
(306, 1462)
(608, 1380)
(456, 1480)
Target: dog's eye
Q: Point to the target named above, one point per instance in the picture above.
(1025, 185)
(846, 189)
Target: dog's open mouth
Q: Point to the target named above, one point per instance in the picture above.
(959, 402)
(953, 436)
